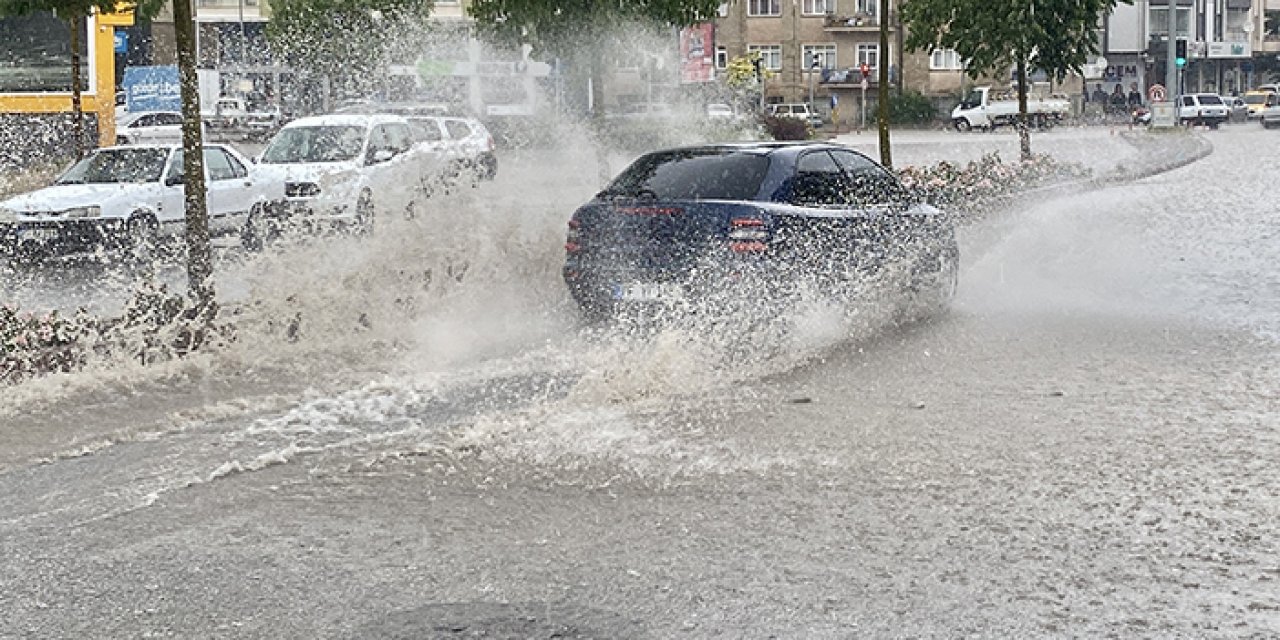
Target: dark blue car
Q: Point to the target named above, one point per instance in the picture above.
(753, 222)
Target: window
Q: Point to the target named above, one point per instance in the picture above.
(457, 129)
(217, 165)
(945, 60)
(764, 7)
(818, 181)
(824, 54)
(168, 119)
(770, 55)
(867, 7)
(427, 129)
(713, 174)
(1159, 21)
(869, 54)
(722, 58)
(818, 7)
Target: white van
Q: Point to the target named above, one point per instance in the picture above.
(797, 110)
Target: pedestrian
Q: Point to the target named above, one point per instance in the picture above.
(1135, 96)
(1118, 99)
(1098, 96)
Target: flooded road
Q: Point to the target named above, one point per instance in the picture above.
(1084, 447)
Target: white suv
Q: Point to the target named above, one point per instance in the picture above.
(1202, 109)
(340, 169)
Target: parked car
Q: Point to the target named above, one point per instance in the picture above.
(752, 220)
(720, 111)
(1205, 109)
(1270, 116)
(797, 110)
(465, 144)
(1237, 109)
(131, 197)
(150, 127)
(1256, 101)
(338, 170)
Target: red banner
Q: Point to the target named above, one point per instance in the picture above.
(698, 53)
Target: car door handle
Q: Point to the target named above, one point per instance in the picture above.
(248, 183)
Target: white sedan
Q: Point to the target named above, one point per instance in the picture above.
(130, 197)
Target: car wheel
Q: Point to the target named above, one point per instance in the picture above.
(141, 239)
(938, 280)
(364, 212)
(251, 234)
(962, 124)
(489, 164)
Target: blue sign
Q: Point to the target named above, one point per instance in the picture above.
(122, 41)
(834, 101)
(152, 89)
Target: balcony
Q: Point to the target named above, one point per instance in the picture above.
(847, 78)
(853, 23)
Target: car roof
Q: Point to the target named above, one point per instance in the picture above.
(134, 115)
(345, 119)
(767, 147)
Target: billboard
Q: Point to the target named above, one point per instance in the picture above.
(152, 89)
(35, 55)
(698, 53)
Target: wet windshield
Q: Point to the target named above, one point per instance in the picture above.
(315, 144)
(711, 174)
(117, 165)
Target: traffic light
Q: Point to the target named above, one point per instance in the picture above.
(1180, 52)
(866, 70)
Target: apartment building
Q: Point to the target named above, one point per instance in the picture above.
(1227, 44)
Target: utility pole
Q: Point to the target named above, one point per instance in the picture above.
(1171, 65)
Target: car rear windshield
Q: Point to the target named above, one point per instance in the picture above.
(334, 143)
(1210, 100)
(1255, 98)
(693, 174)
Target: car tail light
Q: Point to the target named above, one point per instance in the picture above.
(571, 238)
(748, 235)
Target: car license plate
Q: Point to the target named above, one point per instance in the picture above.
(37, 235)
(647, 292)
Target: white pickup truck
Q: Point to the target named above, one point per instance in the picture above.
(984, 108)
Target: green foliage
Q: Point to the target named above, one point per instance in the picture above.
(348, 41)
(741, 71)
(572, 27)
(1057, 36)
(911, 107)
(786, 128)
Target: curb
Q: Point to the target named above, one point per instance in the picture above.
(1187, 149)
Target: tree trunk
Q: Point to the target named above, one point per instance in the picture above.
(886, 155)
(1024, 132)
(76, 22)
(199, 252)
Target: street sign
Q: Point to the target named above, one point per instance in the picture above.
(1156, 93)
(121, 41)
(865, 84)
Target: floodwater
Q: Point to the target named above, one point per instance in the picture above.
(1084, 447)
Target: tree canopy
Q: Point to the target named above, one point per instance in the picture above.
(348, 41)
(1056, 36)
